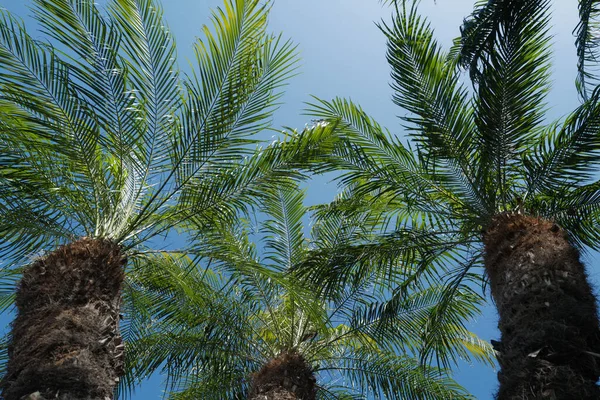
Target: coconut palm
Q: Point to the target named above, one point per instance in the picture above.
(489, 184)
(104, 145)
(236, 324)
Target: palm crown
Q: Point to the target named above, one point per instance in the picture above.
(102, 135)
(477, 153)
(215, 329)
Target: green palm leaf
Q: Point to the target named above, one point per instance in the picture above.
(587, 47)
(269, 311)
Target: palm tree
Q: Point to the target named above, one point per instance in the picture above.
(104, 145)
(234, 323)
(488, 184)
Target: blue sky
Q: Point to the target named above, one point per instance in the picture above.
(343, 54)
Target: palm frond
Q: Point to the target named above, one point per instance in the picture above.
(428, 322)
(223, 192)
(184, 307)
(395, 377)
(566, 154)
(404, 255)
(91, 44)
(576, 209)
(35, 80)
(285, 244)
(587, 44)
(268, 309)
(4, 342)
(427, 84)
(506, 45)
(235, 90)
(371, 159)
(9, 278)
(150, 59)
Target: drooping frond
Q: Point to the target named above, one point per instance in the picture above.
(486, 25)
(565, 154)
(407, 254)
(46, 115)
(576, 210)
(427, 322)
(387, 376)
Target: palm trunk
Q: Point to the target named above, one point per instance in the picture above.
(65, 338)
(286, 377)
(548, 314)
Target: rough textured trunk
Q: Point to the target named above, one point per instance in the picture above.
(65, 338)
(287, 377)
(548, 314)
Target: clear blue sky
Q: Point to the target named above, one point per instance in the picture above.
(343, 54)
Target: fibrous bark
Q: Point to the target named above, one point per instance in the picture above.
(548, 313)
(65, 341)
(286, 377)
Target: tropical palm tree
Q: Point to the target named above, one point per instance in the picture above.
(241, 326)
(104, 145)
(488, 184)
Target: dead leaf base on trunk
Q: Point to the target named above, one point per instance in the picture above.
(286, 377)
(548, 313)
(65, 341)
